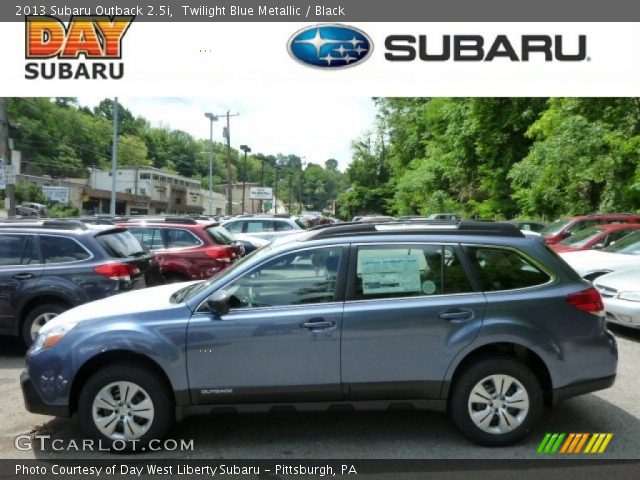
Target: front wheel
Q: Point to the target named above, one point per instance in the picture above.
(496, 401)
(125, 407)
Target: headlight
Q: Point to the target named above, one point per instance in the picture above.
(51, 336)
(630, 296)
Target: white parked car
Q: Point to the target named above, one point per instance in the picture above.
(591, 264)
(265, 226)
(621, 295)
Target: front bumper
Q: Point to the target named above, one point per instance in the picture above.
(622, 312)
(34, 402)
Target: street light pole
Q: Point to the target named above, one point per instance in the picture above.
(114, 158)
(262, 159)
(290, 192)
(302, 164)
(245, 149)
(212, 118)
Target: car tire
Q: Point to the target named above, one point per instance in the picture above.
(37, 317)
(149, 398)
(502, 415)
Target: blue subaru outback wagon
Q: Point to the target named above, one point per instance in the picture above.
(472, 318)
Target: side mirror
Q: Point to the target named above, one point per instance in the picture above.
(219, 303)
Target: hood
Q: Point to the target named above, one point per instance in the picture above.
(124, 304)
(587, 261)
(627, 280)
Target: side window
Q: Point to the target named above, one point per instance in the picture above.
(282, 226)
(177, 238)
(299, 278)
(582, 225)
(259, 226)
(234, 227)
(613, 237)
(149, 237)
(61, 250)
(18, 250)
(407, 271)
(502, 269)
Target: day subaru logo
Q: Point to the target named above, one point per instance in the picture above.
(330, 46)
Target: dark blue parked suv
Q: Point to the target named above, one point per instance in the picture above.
(473, 318)
(50, 266)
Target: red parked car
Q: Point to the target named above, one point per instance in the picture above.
(567, 226)
(597, 237)
(186, 249)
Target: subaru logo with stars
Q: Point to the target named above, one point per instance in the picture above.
(330, 46)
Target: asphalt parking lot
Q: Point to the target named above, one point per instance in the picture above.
(419, 435)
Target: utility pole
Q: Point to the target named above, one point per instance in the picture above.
(114, 157)
(290, 192)
(227, 134)
(275, 194)
(212, 118)
(262, 159)
(5, 154)
(302, 164)
(245, 149)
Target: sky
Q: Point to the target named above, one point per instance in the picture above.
(315, 127)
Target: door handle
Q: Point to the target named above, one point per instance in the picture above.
(318, 324)
(23, 276)
(456, 314)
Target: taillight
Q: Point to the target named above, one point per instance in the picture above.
(117, 271)
(220, 254)
(587, 300)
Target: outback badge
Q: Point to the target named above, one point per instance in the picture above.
(330, 46)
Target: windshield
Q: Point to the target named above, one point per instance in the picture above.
(188, 292)
(581, 238)
(220, 235)
(556, 226)
(627, 245)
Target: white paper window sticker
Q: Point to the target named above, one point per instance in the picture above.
(394, 274)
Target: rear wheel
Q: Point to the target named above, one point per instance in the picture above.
(37, 318)
(496, 401)
(123, 405)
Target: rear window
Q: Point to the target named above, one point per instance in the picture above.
(61, 250)
(121, 244)
(220, 235)
(502, 269)
(556, 226)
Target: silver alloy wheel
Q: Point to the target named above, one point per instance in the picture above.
(498, 404)
(122, 411)
(39, 322)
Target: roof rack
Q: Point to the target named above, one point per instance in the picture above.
(58, 224)
(438, 227)
(169, 219)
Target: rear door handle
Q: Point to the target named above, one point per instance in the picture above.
(318, 324)
(23, 276)
(456, 314)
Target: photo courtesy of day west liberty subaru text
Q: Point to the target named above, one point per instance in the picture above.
(84, 48)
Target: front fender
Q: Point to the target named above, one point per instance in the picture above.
(55, 370)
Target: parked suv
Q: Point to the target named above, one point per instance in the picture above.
(48, 267)
(473, 318)
(187, 249)
(566, 226)
(265, 226)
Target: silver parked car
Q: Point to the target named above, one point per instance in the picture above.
(621, 295)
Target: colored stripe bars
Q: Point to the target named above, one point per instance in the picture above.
(574, 443)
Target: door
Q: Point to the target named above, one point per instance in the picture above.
(409, 310)
(20, 270)
(281, 340)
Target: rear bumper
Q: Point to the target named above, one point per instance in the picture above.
(581, 388)
(34, 402)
